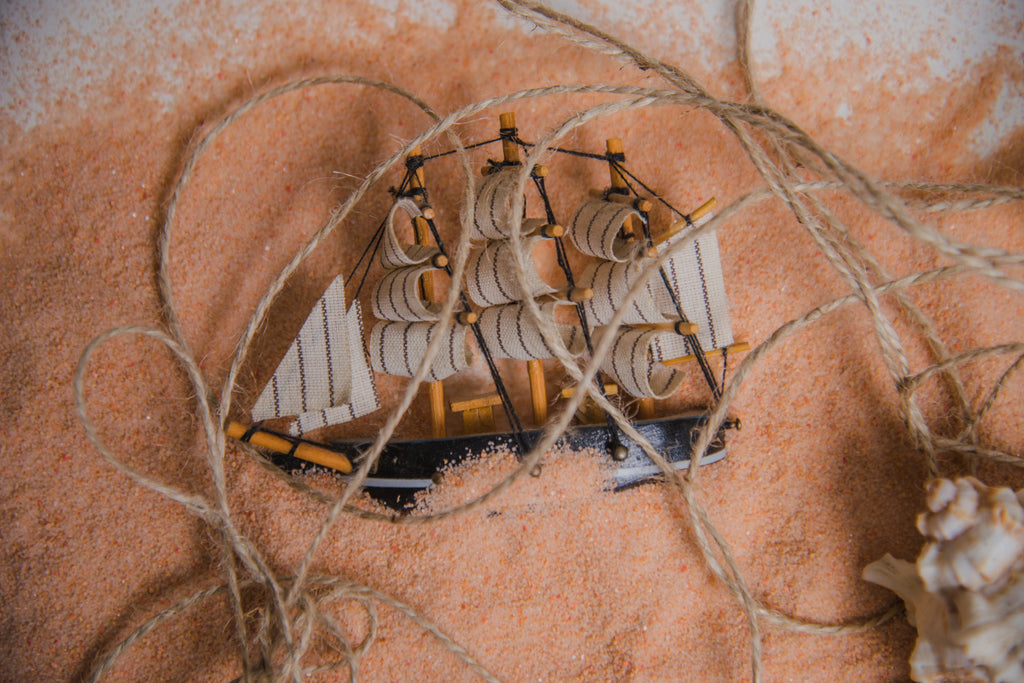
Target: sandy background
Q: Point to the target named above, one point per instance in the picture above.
(556, 580)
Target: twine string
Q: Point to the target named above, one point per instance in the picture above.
(295, 611)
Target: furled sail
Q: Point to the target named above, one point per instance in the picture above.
(692, 277)
(511, 332)
(492, 219)
(505, 324)
(393, 253)
(398, 348)
(491, 278)
(596, 228)
(398, 296)
(407, 319)
(635, 368)
(323, 378)
(611, 281)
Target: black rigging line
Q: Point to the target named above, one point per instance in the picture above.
(563, 263)
(499, 384)
(466, 147)
(412, 166)
(625, 172)
(373, 246)
(691, 339)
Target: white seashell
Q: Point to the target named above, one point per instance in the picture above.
(965, 593)
(954, 507)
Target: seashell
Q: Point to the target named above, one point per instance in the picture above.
(965, 593)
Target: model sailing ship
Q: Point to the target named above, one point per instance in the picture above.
(325, 377)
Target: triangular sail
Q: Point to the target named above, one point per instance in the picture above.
(324, 378)
(695, 275)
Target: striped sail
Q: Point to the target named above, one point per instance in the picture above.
(633, 366)
(505, 324)
(694, 276)
(407, 321)
(491, 278)
(398, 296)
(398, 348)
(611, 281)
(323, 378)
(511, 332)
(492, 210)
(393, 254)
(595, 229)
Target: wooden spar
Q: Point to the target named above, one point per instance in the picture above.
(573, 295)
(694, 216)
(621, 188)
(477, 413)
(509, 148)
(677, 327)
(609, 390)
(303, 450)
(738, 347)
(638, 203)
(534, 368)
(422, 233)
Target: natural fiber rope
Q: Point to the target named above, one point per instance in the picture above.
(294, 608)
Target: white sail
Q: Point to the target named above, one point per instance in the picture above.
(323, 378)
(611, 282)
(493, 206)
(397, 348)
(695, 275)
(490, 274)
(398, 296)
(633, 366)
(392, 253)
(595, 228)
(511, 332)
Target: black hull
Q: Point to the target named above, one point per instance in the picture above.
(406, 467)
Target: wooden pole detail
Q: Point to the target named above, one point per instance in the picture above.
(694, 216)
(305, 451)
(538, 391)
(638, 203)
(618, 182)
(534, 368)
(738, 347)
(509, 148)
(422, 233)
(477, 413)
(614, 147)
(678, 327)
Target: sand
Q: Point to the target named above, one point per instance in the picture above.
(557, 579)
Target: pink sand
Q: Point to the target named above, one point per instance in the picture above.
(555, 580)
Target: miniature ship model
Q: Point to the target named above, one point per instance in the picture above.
(325, 378)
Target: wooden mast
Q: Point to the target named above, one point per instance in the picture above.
(422, 235)
(620, 190)
(534, 368)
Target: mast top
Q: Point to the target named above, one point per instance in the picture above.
(509, 147)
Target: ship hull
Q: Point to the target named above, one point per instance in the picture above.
(407, 467)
